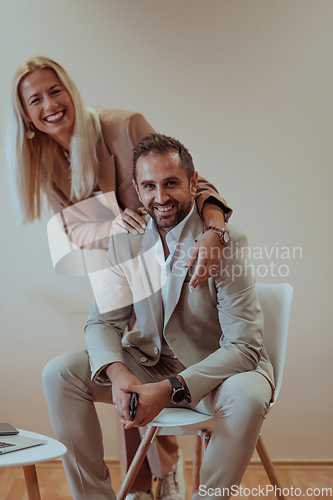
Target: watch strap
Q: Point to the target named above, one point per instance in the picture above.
(220, 231)
(175, 384)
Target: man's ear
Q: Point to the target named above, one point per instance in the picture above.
(194, 184)
(137, 190)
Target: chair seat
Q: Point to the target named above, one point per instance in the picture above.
(176, 418)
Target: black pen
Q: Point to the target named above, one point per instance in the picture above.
(133, 405)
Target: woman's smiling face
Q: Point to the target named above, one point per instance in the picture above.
(47, 104)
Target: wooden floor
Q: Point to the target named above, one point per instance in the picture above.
(53, 483)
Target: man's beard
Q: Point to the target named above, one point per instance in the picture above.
(169, 222)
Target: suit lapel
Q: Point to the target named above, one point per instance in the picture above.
(153, 272)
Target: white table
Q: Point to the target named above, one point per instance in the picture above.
(27, 458)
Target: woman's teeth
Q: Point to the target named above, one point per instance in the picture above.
(56, 117)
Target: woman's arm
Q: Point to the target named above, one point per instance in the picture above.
(208, 250)
(84, 229)
(89, 222)
(207, 194)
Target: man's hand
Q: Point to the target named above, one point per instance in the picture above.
(152, 399)
(122, 380)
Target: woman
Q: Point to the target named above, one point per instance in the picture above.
(58, 148)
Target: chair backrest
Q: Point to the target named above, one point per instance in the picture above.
(275, 301)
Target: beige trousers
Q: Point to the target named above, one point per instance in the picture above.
(240, 403)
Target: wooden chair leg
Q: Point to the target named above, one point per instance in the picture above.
(137, 462)
(31, 482)
(269, 468)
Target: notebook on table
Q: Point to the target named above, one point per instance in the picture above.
(15, 443)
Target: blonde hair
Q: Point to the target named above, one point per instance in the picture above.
(31, 162)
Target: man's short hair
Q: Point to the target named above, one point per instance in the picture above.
(160, 144)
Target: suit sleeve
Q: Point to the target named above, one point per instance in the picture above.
(138, 128)
(109, 315)
(241, 322)
(208, 192)
(85, 231)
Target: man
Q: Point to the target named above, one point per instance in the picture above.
(201, 347)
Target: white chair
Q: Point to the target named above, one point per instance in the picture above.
(275, 301)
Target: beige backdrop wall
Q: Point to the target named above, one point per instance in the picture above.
(247, 86)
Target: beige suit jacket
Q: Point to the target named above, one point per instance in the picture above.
(88, 223)
(215, 331)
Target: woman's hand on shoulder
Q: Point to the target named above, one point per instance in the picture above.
(130, 221)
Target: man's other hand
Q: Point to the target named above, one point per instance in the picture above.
(122, 380)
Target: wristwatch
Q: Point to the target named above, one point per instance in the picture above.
(221, 232)
(178, 390)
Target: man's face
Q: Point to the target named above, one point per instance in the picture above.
(164, 189)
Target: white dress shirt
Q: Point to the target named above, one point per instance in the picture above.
(172, 239)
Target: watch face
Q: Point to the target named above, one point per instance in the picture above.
(226, 236)
(179, 395)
